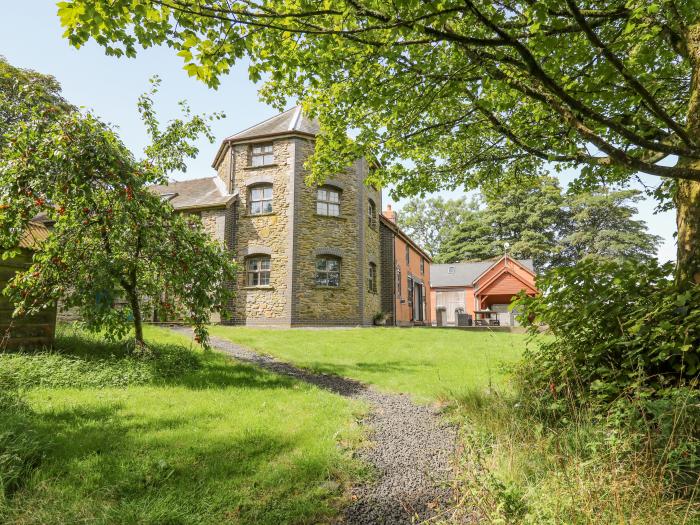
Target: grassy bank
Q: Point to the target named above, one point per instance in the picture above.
(183, 437)
(427, 363)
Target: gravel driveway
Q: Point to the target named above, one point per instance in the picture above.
(411, 447)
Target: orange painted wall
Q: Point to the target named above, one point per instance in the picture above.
(500, 283)
(402, 308)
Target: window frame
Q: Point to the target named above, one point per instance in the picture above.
(372, 278)
(398, 282)
(251, 201)
(260, 273)
(266, 154)
(422, 266)
(318, 280)
(372, 214)
(327, 202)
(408, 254)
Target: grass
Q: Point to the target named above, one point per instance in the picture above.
(427, 363)
(201, 440)
(517, 468)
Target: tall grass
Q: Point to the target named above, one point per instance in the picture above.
(520, 467)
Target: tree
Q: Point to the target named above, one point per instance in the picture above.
(529, 216)
(471, 240)
(601, 227)
(112, 236)
(430, 221)
(540, 223)
(445, 93)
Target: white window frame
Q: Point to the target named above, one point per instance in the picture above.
(262, 154)
(326, 276)
(258, 270)
(264, 201)
(328, 201)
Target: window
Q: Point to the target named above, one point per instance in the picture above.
(372, 278)
(398, 282)
(260, 200)
(258, 270)
(328, 201)
(261, 155)
(327, 271)
(422, 266)
(408, 257)
(409, 286)
(372, 213)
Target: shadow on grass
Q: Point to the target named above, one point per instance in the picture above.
(347, 370)
(109, 468)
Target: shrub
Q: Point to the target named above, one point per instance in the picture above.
(616, 326)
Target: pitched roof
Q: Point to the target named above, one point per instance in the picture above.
(290, 122)
(464, 274)
(209, 192)
(398, 231)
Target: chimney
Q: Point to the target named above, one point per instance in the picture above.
(389, 213)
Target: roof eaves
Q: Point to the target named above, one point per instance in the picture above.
(395, 227)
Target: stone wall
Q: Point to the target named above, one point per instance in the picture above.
(263, 234)
(317, 235)
(294, 235)
(372, 252)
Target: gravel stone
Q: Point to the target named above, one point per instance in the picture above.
(411, 447)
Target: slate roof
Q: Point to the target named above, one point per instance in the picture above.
(292, 121)
(465, 273)
(209, 192)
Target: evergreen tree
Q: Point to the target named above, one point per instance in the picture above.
(601, 226)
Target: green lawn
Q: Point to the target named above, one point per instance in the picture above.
(221, 442)
(428, 363)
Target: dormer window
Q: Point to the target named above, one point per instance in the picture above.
(260, 198)
(328, 201)
(262, 155)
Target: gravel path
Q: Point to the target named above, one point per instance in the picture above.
(411, 447)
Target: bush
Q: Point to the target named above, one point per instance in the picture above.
(617, 327)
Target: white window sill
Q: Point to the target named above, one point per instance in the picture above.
(261, 287)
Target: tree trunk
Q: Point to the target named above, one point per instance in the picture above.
(138, 321)
(688, 197)
(688, 222)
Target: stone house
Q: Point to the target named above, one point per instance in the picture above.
(307, 255)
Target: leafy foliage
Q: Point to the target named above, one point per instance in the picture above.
(112, 237)
(537, 220)
(617, 326)
(601, 226)
(444, 94)
(430, 221)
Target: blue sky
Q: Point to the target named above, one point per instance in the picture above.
(31, 37)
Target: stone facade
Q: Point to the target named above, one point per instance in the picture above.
(293, 235)
(281, 229)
